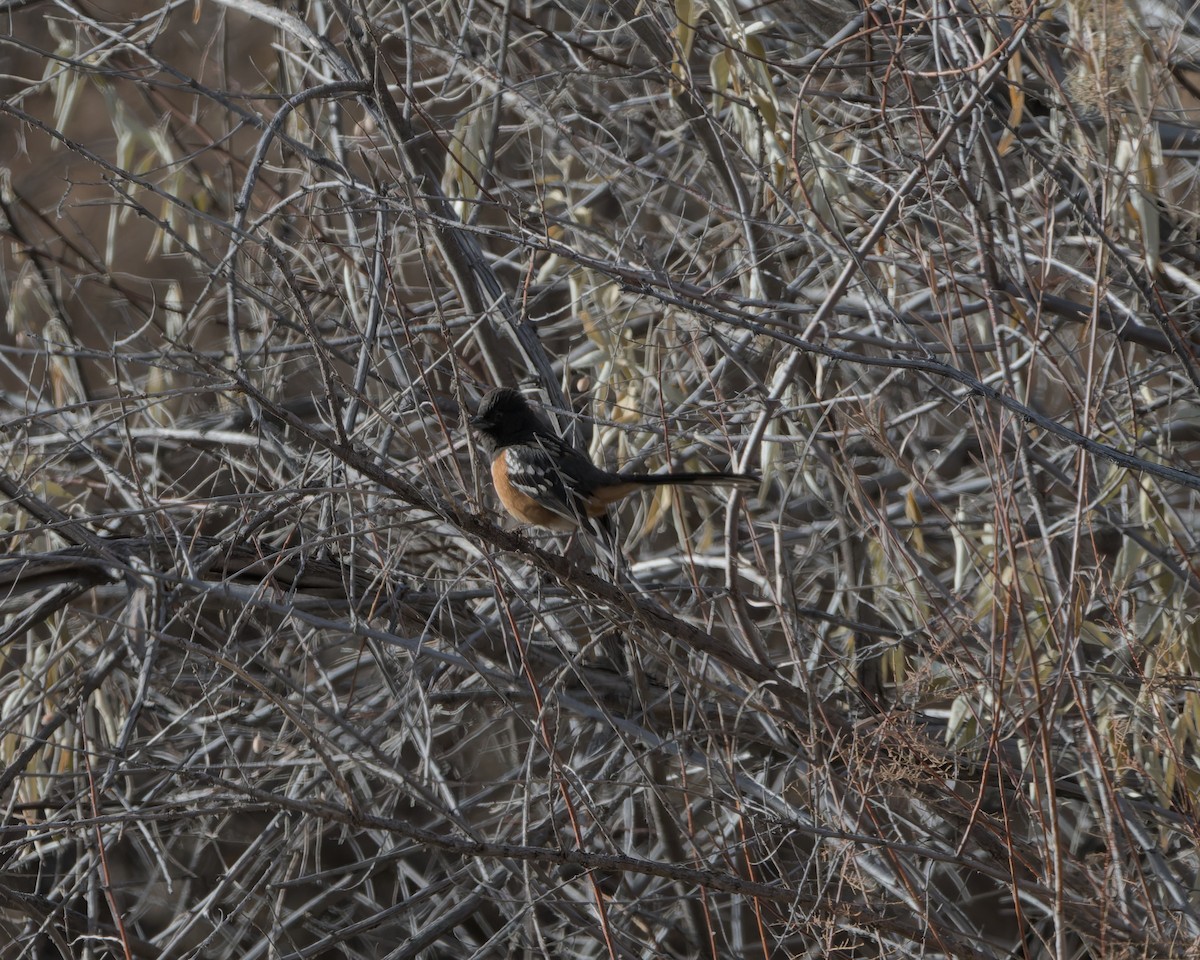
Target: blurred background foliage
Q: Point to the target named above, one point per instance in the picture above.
(277, 677)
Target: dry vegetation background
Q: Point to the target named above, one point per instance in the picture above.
(278, 680)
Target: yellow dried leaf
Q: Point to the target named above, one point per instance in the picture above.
(1016, 100)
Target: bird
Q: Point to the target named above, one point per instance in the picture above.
(543, 480)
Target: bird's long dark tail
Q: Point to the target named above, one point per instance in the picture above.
(623, 484)
(706, 479)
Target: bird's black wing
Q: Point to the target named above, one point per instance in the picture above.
(557, 476)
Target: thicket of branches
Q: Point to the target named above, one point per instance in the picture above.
(278, 678)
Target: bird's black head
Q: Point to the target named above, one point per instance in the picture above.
(505, 417)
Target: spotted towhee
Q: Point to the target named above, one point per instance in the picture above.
(542, 479)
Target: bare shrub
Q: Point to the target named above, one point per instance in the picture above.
(278, 678)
